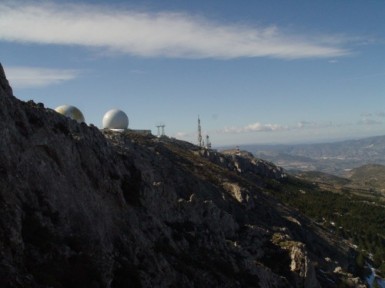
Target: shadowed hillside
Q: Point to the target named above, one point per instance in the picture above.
(80, 207)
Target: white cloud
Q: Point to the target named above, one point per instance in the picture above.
(27, 77)
(260, 127)
(182, 135)
(263, 127)
(368, 121)
(254, 127)
(151, 34)
(313, 125)
(305, 124)
(371, 118)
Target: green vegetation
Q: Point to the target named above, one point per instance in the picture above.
(370, 176)
(365, 181)
(352, 217)
(316, 176)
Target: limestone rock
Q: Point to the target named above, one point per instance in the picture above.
(80, 207)
(4, 83)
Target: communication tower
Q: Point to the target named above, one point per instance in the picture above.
(200, 141)
(160, 130)
(208, 143)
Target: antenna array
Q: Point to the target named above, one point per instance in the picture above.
(160, 130)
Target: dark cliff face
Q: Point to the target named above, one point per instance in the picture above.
(81, 207)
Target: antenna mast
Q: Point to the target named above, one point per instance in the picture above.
(160, 130)
(208, 143)
(200, 143)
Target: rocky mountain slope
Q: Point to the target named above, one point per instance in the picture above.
(80, 207)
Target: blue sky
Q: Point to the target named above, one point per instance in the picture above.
(254, 71)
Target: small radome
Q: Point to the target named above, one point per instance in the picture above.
(71, 112)
(115, 119)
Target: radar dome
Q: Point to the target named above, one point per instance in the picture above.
(115, 119)
(71, 112)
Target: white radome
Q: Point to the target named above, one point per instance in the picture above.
(115, 119)
(71, 112)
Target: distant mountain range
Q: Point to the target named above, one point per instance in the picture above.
(335, 158)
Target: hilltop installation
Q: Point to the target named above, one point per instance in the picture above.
(114, 119)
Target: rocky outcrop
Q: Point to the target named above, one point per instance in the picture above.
(300, 263)
(244, 163)
(80, 207)
(4, 84)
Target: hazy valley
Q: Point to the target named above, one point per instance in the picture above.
(334, 158)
